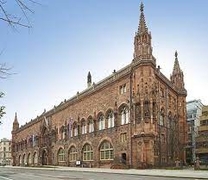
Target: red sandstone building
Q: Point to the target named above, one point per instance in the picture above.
(136, 117)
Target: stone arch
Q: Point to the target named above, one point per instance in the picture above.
(87, 152)
(101, 120)
(29, 159)
(20, 160)
(24, 159)
(35, 158)
(122, 105)
(83, 123)
(106, 150)
(110, 118)
(91, 124)
(102, 140)
(124, 116)
(44, 157)
(72, 153)
(61, 155)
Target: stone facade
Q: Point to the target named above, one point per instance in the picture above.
(136, 118)
(5, 152)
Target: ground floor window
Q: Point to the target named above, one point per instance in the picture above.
(61, 155)
(106, 151)
(35, 156)
(87, 153)
(72, 154)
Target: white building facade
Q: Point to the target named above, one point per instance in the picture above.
(5, 152)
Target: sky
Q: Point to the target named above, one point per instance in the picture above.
(51, 60)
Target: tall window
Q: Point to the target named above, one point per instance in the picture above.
(72, 154)
(29, 159)
(20, 160)
(75, 129)
(84, 127)
(63, 133)
(24, 159)
(124, 116)
(110, 119)
(101, 122)
(61, 155)
(35, 158)
(91, 125)
(87, 153)
(106, 151)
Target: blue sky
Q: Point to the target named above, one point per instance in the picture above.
(70, 38)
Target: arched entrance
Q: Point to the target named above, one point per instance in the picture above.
(123, 158)
(44, 157)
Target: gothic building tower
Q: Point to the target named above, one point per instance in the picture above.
(135, 117)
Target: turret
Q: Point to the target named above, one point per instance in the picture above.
(177, 78)
(89, 79)
(15, 123)
(142, 40)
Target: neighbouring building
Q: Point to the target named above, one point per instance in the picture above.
(5, 152)
(135, 117)
(194, 110)
(202, 138)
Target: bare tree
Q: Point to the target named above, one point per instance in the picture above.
(15, 20)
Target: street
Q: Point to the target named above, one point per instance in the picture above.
(7, 173)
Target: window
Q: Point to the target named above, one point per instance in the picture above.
(110, 119)
(72, 154)
(75, 129)
(63, 133)
(61, 155)
(122, 89)
(91, 125)
(106, 151)
(84, 127)
(101, 122)
(87, 153)
(124, 116)
(123, 137)
(29, 159)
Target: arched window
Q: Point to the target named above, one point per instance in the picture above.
(161, 120)
(61, 155)
(87, 153)
(63, 133)
(24, 160)
(110, 119)
(106, 151)
(91, 125)
(35, 158)
(20, 160)
(29, 159)
(83, 127)
(75, 129)
(101, 122)
(72, 154)
(124, 116)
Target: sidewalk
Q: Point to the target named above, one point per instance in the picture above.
(184, 173)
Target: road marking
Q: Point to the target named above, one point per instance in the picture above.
(5, 178)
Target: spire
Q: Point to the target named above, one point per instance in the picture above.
(176, 67)
(89, 79)
(177, 74)
(142, 41)
(142, 24)
(15, 123)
